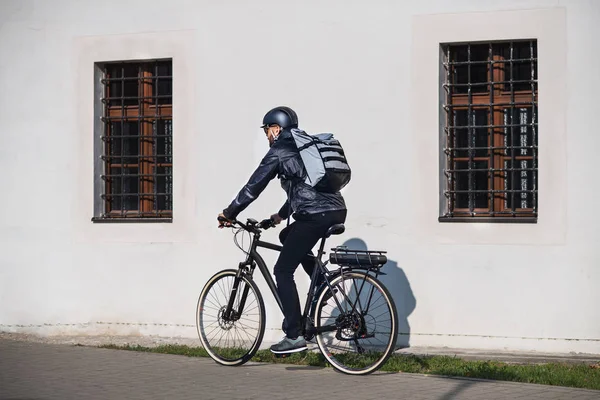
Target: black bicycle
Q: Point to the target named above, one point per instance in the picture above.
(351, 313)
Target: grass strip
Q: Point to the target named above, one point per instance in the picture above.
(557, 374)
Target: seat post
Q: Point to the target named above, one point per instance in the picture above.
(321, 247)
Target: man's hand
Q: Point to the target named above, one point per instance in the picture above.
(270, 222)
(276, 219)
(223, 222)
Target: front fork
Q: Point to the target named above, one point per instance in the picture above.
(245, 269)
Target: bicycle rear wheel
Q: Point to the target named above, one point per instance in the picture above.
(230, 340)
(358, 335)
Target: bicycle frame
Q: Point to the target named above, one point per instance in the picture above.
(254, 259)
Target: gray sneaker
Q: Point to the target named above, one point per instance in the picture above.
(288, 346)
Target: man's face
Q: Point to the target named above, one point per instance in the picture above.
(272, 131)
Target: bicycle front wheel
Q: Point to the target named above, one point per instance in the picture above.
(230, 339)
(358, 332)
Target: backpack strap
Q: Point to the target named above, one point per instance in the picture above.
(289, 205)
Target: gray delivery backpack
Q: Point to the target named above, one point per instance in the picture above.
(324, 160)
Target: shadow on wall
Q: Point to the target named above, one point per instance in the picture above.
(396, 282)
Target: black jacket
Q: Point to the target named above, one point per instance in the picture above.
(284, 161)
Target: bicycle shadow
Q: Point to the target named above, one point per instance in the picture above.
(397, 283)
(313, 368)
(304, 368)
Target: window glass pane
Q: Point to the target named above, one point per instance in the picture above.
(471, 180)
(163, 87)
(521, 179)
(164, 199)
(127, 84)
(471, 134)
(524, 70)
(131, 84)
(164, 146)
(520, 135)
(474, 72)
(461, 183)
(124, 183)
(521, 65)
(480, 181)
(124, 141)
(115, 91)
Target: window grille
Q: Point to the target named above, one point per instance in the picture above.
(136, 141)
(490, 131)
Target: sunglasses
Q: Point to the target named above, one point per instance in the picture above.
(266, 128)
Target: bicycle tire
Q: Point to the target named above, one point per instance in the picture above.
(391, 346)
(201, 307)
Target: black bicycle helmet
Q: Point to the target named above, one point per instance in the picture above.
(283, 116)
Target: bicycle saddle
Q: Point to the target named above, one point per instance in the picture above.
(336, 229)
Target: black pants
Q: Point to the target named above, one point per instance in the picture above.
(298, 239)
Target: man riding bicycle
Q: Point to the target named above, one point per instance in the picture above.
(313, 211)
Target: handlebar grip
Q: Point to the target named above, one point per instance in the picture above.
(267, 223)
(224, 222)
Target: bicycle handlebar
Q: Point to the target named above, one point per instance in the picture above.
(251, 225)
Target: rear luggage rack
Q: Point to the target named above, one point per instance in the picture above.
(341, 255)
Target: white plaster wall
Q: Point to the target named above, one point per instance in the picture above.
(345, 66)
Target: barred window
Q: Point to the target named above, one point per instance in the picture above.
(135, 148)
(489, 132)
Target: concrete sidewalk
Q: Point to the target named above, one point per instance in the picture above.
(30, 370)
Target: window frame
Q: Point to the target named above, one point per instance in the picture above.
(495, 101)
(147, 112)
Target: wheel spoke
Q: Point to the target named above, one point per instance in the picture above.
(230, 341)
(345, 346)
